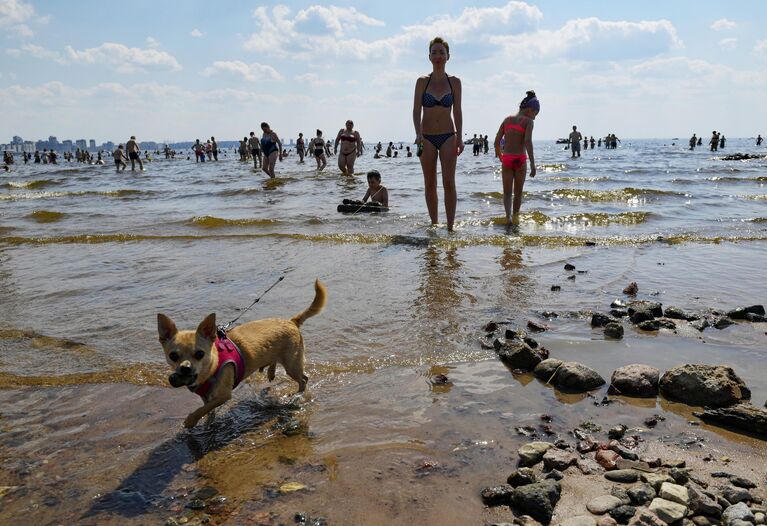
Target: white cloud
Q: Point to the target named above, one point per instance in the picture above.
(338, 20)
(37, 52)
(595, 39)
(152, 42)
(728, 43)
(196, 33)
(326, 31)
(723, 25)
(125, 59)
(250, 72)
(760, 48)
(314, 80)
(14, 16)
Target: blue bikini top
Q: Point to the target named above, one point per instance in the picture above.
(429, 101)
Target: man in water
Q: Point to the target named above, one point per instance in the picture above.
(214, 146)
(575, 142)
(134, 154)
(759, 140)
(714, 142)
(693, 141)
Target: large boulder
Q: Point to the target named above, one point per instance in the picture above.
(537, 500)
(704, 385)
(635, 380)
(744, 417)
(574, 376)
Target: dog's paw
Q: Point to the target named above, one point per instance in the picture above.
(190, 421)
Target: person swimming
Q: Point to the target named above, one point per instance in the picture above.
(516, 131)
(437, 135)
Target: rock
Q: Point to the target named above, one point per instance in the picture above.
(674, 463)
(606, 520)
(655, 479)
(614, 331)
(649, 325)
(667, 324)
(569, 376)
(496, 495)
(646, 518)
(667, 511)
(519, 355)
(600, 320)
(635, 380)
(741, 313)
(532, 453)
(674, 493)
(760, 518)
(558, 459)
(537, 500)
(756, 318)
(607, 458)
(534, 326)
(638, 465)
(579, 520)
(622, 514)
(742, 482)
(736, 495)
(620, 492)
(700, 520)
(631, 289)
(700, 325)
(675, 313)
(737, 512)
(554, 474)
(723, 323)
(709, 385)
(603, 504)
(745, 417)
(521, 477)
(491, 326)
(618, 313)
(568, 266)
(702, 504)
(641, 494)
(680, 476)
(622, 450)
(655, 308)
(531, 342)
(626, 476)
(617, 431)
(721, 475)
(556, 288)
(641, 316)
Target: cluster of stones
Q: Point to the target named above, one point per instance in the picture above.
(648, 491)
(650, 316)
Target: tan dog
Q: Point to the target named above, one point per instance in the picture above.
(194, 355)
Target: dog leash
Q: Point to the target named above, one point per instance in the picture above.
(222, 328)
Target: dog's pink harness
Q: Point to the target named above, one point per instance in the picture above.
(228, 353)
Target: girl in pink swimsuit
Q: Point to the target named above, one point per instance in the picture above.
(516, 131)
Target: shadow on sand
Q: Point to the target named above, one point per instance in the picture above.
(139, 492)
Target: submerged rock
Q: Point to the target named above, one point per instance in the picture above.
(635, 380)
(649, 325)
(568, 376)
(675, 313)
(614, 331)
(519, 355)
(600, 320)
(655, 308)
(704, 385)
(639, 316)
(496, 495)
(700, 325)
(631, 289)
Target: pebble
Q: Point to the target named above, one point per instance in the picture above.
(607, 458)
(622, 475)
(760, 518)
(521, 477)
(496, 495)
(606, 520)
(667, 511)
(742, 482)
(532, 453)
(603, 504)
(674, 493)
(617, 431)
(623, 514)
(641, 494)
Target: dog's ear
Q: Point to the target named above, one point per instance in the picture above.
(208, 327)
(165, 327)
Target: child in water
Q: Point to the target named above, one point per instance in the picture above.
(377, 193)
(516, 131)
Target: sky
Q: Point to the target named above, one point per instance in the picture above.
(176, 71)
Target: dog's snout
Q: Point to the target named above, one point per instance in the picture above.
(185, 367)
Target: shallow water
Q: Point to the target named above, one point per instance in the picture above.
(88, 257)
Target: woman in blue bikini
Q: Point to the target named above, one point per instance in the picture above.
(436, 103)
(271, 148)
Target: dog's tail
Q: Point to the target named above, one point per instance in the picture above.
(320, 295)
